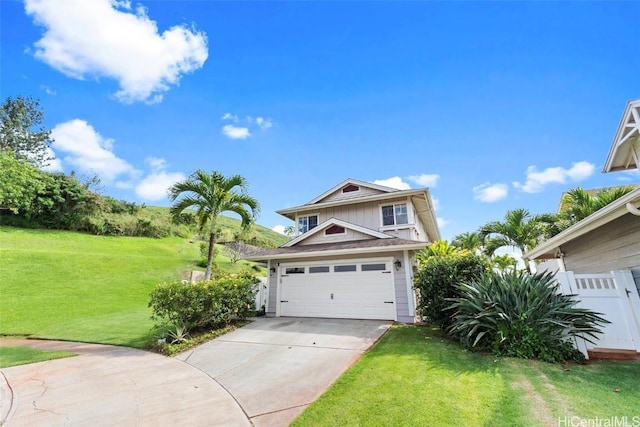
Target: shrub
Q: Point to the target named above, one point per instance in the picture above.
(436, 280)
(206, 304)
(521, 315)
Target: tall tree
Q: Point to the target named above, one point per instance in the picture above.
(21, 130)
(20, 183)
(519, 229)
(210, 195)
(468, 240)
(578, 203)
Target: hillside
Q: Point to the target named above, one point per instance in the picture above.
(81, 287)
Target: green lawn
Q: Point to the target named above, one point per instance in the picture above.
(80, 287)
(12, 356)
(415, 376)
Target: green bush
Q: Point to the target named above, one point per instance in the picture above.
(211, 304)
(522, 315)
(436, 280)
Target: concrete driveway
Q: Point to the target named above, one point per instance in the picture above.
(263, 374)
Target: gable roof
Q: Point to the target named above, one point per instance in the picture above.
(353, 182)
(622, 155)
(622, 206)
(334, 221)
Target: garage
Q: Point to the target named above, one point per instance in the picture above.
(356, 289)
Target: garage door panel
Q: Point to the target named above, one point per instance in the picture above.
(356, 294)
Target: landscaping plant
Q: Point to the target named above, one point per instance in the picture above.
(521, 315)
(186, 307)
(436, 281)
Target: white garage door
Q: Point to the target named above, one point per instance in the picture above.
(344, 289)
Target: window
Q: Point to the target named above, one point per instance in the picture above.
(344, 268)
(294, 270)
(373, 267)
(395, 214)
(322, 269)
(350, 188)
(334, 229)
(306, 223)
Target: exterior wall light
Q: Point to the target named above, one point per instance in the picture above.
(397, 264)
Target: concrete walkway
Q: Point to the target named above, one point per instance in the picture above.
(263, 374)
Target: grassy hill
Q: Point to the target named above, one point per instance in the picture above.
(75, 286)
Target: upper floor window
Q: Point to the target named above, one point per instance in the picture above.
(395, 214)
(306, 223)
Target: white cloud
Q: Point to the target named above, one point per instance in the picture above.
(229, 116)
(241, 129)
(536, 180)
(278, 229)
(393, 182)
(489, 193)
(155, 185)
(425, 180)
(48, 90)
(442, 222)
(87, 150)
(54, 165)
(264, 123)
(105, 38)
(236, 132)
(436, 203)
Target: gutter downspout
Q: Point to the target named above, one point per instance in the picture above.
(632, 209)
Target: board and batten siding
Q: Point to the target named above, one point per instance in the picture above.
(367, 215)
(399, 278)
(614, 246)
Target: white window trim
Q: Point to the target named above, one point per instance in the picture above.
(335, 234)
(307, 216)
(410, 215)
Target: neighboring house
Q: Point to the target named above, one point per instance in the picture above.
(599, 257)
(609, 239)
(352, 255)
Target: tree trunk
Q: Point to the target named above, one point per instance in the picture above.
(212, 243)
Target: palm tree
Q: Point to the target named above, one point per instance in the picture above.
(519, 229)
(578, 203)
(468, 240)
(212, 194)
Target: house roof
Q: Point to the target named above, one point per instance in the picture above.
(622, 155)
(354, 182)
(335, 221)
(351, 248)
(420, 198)
(616, 209)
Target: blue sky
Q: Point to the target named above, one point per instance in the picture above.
(493, 105)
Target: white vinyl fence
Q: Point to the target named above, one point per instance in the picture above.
(614, 295)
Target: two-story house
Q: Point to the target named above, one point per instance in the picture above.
(352, 255)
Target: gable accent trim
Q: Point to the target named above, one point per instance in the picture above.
(352, 182)
(334, 221)
(622, 154)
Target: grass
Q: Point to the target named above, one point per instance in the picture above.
(13, 356)
(79, 287)
(416, 376)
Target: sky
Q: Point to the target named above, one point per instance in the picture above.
(492, 105)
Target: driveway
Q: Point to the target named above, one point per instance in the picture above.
(263, 374)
